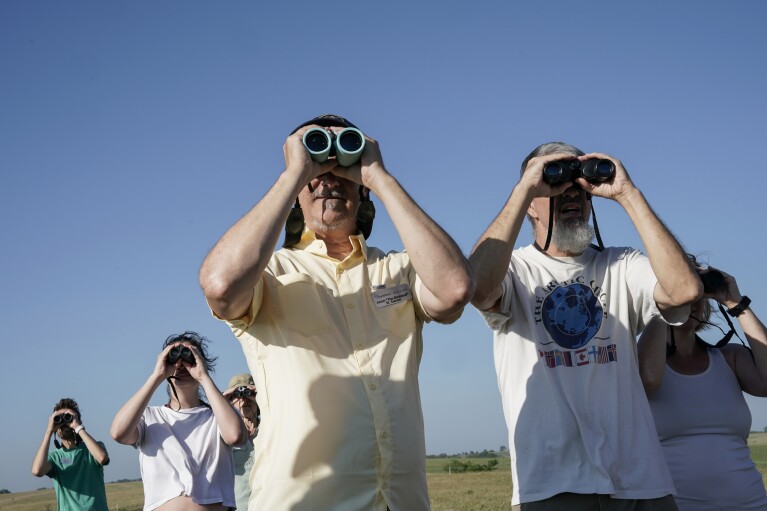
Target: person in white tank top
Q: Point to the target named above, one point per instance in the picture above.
(695, 392)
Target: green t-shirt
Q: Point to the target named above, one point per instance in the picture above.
(78, 479)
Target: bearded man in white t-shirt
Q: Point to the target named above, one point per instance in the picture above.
(565, 316)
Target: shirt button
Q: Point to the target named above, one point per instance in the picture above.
(349, 305)
(359, 346)
(384, 434)
(372, 386)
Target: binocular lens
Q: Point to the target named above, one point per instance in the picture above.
(316, 140)
(350, 141)
(604, 169)
(554, 173)
(63, 418)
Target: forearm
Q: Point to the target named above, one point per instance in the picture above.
(229, 421)
(652, 355)
(40, 464)
(492, 253)
(232, 268)
(435, 256)
(124, 428)
(678, 283)
(756, 333)
(96, 450)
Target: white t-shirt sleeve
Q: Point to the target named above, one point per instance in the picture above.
(641, 281)
(499, 318)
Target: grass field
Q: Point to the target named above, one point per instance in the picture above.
(471, 491)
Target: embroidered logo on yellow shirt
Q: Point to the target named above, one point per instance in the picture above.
(391, 296)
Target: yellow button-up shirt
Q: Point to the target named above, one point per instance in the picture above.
(334, 348)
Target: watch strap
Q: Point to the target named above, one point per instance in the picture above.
(738, 309)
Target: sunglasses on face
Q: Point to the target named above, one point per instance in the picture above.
(63, 418)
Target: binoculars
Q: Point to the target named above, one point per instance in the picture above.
(594, 171)
(180, 352)
(713, 281)
(63, 418)
(241, 392)
(346, 145)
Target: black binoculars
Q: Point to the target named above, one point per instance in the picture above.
(180, 352)
(63, 418)
(713, 281)
(594, 171)
(346, 145)
(241, 392)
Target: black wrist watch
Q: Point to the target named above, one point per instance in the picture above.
(738, 309)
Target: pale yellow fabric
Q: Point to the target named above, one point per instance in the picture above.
(337, 378)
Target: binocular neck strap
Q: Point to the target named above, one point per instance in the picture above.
(175, 394)
(600, 246)
(671, 348)
(551, 225)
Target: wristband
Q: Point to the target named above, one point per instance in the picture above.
(78, 429)
(738, 309)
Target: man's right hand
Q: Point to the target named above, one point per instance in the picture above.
(298, 159)
(532, 179)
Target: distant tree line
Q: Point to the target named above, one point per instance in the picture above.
(458, 466)
(502, 452)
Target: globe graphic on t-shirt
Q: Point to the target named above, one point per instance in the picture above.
(572, 315)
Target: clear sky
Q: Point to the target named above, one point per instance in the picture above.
(133, 134)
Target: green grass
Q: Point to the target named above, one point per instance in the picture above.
(471, 491)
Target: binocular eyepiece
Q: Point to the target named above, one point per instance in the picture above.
(241, 392)
(180, 352)
(593, 171)
(63, 418)
(713, 281)
(346, 145)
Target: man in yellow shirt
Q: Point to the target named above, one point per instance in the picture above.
(331, 329)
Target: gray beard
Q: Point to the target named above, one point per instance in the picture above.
(572, 236)
(324, 228)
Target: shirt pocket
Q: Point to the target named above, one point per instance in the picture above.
(301, 304)
(398, 319)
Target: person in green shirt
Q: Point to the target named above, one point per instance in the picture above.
(76, 465)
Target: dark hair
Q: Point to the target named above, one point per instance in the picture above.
(67, 403)
(326, 121)
(199, 342)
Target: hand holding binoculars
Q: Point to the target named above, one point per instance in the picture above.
(346, 145)
(593, 170)
(63, 418)
(180, 352)
(713, 281)
(242, 392)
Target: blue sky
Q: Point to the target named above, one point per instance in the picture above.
(133, 134)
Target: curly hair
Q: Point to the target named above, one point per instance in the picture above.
(69, 403)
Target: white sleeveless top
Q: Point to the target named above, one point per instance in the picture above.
(703, 423)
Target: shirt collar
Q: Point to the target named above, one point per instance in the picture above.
(311, 244)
